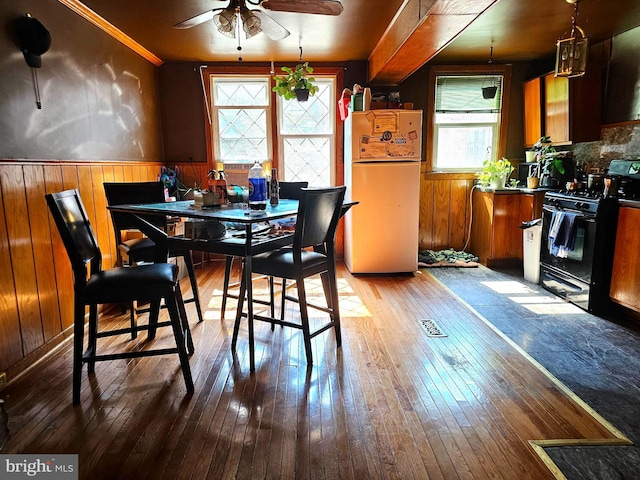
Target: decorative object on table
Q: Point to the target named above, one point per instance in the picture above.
(274, 190)
(173, 186)
(494, 173)
(217, 185)
(296, 82)
(572, 50)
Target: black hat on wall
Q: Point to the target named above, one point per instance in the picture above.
(34, 39)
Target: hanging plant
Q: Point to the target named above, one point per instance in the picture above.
(296, 82)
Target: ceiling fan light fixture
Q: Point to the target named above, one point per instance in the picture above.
(250, 23)
(572, 51)
(225, 22)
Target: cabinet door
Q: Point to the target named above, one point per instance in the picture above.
(556, 108)
(625, 288)
(532, 111)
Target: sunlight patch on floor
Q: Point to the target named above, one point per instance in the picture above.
(508, 287)
(532, 300)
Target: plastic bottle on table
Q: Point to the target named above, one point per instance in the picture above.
(257, 188)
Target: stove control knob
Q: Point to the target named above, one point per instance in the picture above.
(582, 205)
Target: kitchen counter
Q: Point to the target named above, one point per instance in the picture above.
(513, 191)
(629, 203)
(496, 236)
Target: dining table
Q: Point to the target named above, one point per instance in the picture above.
(247, 233)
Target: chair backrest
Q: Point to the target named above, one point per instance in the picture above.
(292, 190)
(126, 193)
(318, 215)
(77, 235)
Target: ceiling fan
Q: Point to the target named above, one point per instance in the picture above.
(255, 21)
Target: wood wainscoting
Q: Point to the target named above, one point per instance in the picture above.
(36, 301)
(444, 209)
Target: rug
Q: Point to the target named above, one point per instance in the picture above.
(446, 258)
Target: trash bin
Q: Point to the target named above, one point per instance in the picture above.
(532, 236)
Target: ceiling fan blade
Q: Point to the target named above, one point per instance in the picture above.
(319, 7)
(197, 20)
(270, 27)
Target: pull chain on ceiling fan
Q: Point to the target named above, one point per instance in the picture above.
(256, 21)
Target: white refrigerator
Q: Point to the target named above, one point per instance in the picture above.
(382, 151)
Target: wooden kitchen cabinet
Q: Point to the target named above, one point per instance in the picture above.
(567, 110)
(625, 277)
(533, 122)
(497, 216)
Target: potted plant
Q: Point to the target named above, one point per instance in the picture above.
(543, 147)
(296, 83)
(494, 173)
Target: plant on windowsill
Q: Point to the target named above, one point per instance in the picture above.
(296, 83)
(494, 173)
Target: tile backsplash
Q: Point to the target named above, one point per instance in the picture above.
(617, 143)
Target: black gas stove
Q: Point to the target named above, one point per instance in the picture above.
(578, 236)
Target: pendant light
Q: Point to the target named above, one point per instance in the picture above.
(572, 51)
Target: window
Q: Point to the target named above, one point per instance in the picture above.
(465, 125)
(241, 113)
(249, 122)
(307, 137)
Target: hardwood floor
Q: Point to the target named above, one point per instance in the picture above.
(392, 402)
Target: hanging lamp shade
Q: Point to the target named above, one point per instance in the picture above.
(250, 23)
(225, 22)
(572, 51)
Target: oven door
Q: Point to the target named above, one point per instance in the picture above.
(577, 263)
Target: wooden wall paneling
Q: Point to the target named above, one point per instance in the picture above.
(69, 177)
(10, 344)
(458, 208)
(152, 174)
(127, 173)
(53, 182)
(426, 214)
(102, 221)
(42, 253)
(22, 262)
(109, 175)
(441, 206)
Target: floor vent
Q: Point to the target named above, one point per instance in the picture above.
(432, 328)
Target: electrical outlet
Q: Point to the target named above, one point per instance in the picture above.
(3, 380)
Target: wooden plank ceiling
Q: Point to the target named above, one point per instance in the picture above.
(395, 36)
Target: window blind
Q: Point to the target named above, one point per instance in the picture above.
(463, 94)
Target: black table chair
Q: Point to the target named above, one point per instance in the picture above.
(288, 190)
(94, 286)
(143, 249)
(312, 253)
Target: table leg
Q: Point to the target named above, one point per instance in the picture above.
(248, 282)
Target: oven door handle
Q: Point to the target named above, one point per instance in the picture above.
(564, 282)
(586, 218)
